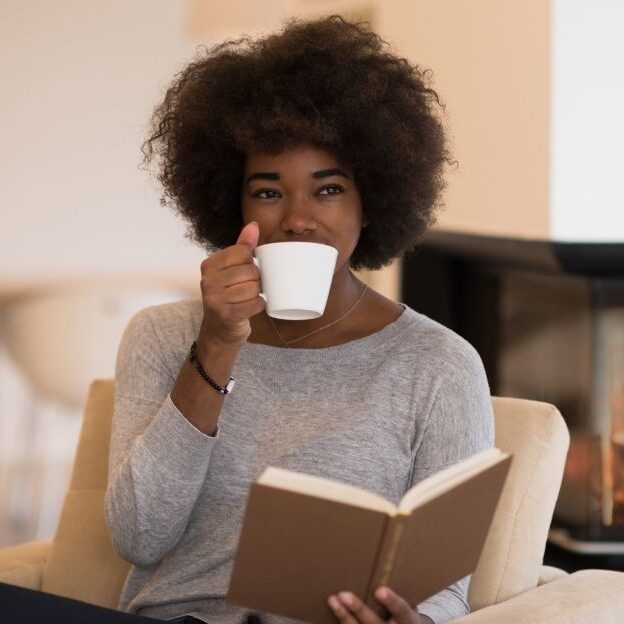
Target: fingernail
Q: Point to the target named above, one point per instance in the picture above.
(381, 593)
(346, 598)
(333, 602)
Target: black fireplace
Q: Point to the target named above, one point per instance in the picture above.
(548, 321)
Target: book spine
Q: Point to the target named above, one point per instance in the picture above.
(385, 559)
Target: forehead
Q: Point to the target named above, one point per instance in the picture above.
(304, 159)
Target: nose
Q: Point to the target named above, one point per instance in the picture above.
(299, 217)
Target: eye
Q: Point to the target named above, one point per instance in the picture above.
(331, 189)
(265, 194)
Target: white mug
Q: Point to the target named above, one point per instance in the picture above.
(296, 278)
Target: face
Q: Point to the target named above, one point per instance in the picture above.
(303, 194)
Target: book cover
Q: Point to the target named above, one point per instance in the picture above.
(297, 548)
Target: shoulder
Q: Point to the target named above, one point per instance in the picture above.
(437, 345)
(460, 418)
(170, 327)
(167, 316)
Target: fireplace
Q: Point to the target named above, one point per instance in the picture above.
(548, 321)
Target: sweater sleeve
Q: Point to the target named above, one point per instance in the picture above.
(158, 460)
(460, 424)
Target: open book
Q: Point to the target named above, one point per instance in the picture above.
(304, 538)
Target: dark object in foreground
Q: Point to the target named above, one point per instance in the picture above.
(27, 606)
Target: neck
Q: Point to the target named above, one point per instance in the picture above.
(344, 298)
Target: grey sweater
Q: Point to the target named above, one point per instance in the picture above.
(381, 413)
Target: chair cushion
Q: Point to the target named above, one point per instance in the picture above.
(83, 563)
(537, 436)
(585, 597)
(22, 565)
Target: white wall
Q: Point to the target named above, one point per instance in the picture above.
(79, 82)
(490, 65)
(535, 98)
(587, 120)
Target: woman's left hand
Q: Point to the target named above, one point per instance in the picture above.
(349, 609)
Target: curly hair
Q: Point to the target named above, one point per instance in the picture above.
(328, 83)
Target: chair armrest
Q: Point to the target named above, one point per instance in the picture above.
(22, 565)
(584, 597)
(548, 574)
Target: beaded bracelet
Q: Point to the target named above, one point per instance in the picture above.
(200, 369)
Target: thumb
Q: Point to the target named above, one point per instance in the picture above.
(249, 235)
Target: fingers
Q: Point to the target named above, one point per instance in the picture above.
(245, 310)
(400, 610)
(228, 257)
(239, 253)
(349, 609)
(249, 235)
(222, 300)
(228, 313)
(239, 293)
(342, 611)
(229, 276)
(230, 287)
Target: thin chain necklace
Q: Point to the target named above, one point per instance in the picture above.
(287, 343)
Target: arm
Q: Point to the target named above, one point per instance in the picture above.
(164, 427)
(460, 424)
(158, 458)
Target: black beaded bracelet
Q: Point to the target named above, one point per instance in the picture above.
(200, 369)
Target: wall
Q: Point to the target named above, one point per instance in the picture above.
(490, 65)
(80, 80)
(535, 99)
(587, 116)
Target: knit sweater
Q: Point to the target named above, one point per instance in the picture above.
(381, 412)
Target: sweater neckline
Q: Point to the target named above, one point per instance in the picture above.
(343, 351)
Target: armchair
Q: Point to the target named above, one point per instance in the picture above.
(510, 585)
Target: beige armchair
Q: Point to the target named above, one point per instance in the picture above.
(509, 586)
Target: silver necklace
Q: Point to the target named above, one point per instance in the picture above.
(287, 343)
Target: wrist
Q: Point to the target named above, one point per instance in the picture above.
(197, 363)
(210, 347)
(209, 343)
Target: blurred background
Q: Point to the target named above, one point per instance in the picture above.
(527, 260)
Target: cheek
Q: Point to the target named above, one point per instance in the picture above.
(268, 221)
(246, 212)
(251, 213)
(349, 237)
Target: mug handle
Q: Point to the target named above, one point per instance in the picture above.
(257, 263)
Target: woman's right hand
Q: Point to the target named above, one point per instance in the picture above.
(230, 287)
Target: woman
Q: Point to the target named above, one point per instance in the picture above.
(316, 133)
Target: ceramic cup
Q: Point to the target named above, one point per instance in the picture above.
(295, 278)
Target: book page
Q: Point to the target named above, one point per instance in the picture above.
(325, 488)
(446, 479)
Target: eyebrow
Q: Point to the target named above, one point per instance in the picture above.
(323, 173)
(263, 175)
(326, 173)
